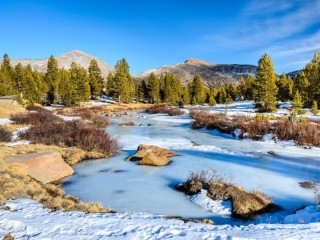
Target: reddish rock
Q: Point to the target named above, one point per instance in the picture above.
(44, 167)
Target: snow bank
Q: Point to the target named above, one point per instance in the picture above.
(5, 121)
(216, 207)
(27, 219)
(309, 214)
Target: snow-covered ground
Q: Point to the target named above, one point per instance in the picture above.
(125, 186)
(27, 219)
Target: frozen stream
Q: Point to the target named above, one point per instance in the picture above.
(125, 186)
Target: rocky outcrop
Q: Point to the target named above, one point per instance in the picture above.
(44, 167)
(152, 155)
(245, 205)
(211, 74)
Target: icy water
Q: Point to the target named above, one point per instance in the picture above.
(125, 186)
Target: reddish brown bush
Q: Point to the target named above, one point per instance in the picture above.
(35, 118)
(72, 134)
(38, 109)
(5, 135)
(166, 109)
(303, 133)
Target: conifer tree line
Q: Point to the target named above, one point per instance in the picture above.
(78, 84)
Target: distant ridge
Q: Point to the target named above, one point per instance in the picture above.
(64, 61)
(211, 74)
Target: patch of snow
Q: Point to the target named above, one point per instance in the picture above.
(17, 133)
(23, 142)
(27, 219)
(68, 118)
(310, 214)
(216, 207)
(5, 121)
(237, 132)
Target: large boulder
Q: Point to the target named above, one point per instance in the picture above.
(245, 205)
(152, 155)
(44, 167)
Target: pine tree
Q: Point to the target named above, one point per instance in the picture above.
(80, 81)
(111, 87)
(6, 77)
(123, 81)
(198, 90)
(153, 88)
(95, 79)
(250, 86)
(303, 85)
(222, 95)
(212, 101)
(52, 80)
(265, 87)
(67, 88)
(172, 89)
(19, 80)
(314, 108)
(297, 104)
(42, 88)
(285, 86)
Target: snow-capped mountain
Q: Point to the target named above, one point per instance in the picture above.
(64, 61)
(211, 74)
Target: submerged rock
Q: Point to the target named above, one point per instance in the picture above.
(127, 124)
(152, 155)
(245, 205)
(44, 167)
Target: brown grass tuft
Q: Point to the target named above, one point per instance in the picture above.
(5, 135)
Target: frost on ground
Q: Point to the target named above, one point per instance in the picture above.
(27, 219)
(216, 207)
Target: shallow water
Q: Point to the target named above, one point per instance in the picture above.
(125, 186)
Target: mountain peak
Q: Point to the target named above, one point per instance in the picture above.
(197, 61)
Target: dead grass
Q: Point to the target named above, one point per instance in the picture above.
(13, 127)
(14, 183)
(71, 155)
(8, 107)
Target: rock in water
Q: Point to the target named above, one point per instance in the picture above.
(152, 155)
(245, 205)
(44, 167)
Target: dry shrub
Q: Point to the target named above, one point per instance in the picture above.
(208, 176)
(14, 184)
(165, 109)
(302, 132)
(38, 109)
(5, 135)
(255, 129)
(72, 134)
(34, 118)
(92, 114)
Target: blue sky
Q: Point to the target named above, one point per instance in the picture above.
(150, 34)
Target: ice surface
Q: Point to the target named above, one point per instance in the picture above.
(273, 168)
